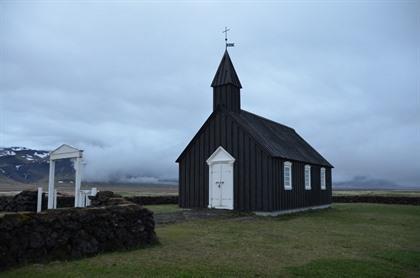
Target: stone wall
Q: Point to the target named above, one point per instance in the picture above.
(26, 200)
(73, 233)
(4, 202)
(402, 200)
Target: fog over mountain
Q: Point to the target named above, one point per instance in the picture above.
(130, 82)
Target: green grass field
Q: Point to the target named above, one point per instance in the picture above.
(163, 208)
(348, 240)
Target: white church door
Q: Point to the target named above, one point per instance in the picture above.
(221, 179)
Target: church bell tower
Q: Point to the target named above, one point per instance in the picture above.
(226, 86)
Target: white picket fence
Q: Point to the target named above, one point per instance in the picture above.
(83, 198)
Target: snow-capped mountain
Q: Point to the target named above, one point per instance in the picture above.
(27, 165)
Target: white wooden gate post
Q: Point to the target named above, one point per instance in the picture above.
(55, 199)
(81, 199)
(51, 185)
(91, 192)
(87, 202)
(78, 166)
(39, 202)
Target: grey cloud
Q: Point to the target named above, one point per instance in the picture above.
(129, 82)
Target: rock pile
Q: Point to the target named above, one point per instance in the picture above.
(72, 233)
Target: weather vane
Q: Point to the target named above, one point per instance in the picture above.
(226, 39)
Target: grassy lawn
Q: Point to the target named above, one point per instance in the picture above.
(163, 208)
(349, 240)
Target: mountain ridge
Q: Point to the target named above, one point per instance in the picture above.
(25, 165)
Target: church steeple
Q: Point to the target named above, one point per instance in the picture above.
(226, 86)
(226, 73)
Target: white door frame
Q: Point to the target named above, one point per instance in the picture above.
(220, 156)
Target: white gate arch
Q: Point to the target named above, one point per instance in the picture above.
(63, 152)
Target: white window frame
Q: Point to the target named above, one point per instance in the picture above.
(307, 181)
(287, 165)
(323, 177)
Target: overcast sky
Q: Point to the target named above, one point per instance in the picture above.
(130, 82)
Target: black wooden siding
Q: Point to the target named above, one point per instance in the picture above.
(228, 97)
(250, 188)
(258, 177)
(300, 197)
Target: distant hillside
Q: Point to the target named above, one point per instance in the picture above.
(24, 165)
(363, 182)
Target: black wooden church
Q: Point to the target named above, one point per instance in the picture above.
(239, 160)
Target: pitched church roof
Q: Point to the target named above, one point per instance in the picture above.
(276, 139)
(279, 140)
(226, 73)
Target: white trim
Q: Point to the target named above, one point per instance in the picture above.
(288, 165)
(282, 212)
(65, 151)
(323, 178)
(307, 182)
(225, 157)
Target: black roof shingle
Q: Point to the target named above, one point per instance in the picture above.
(279, 140)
